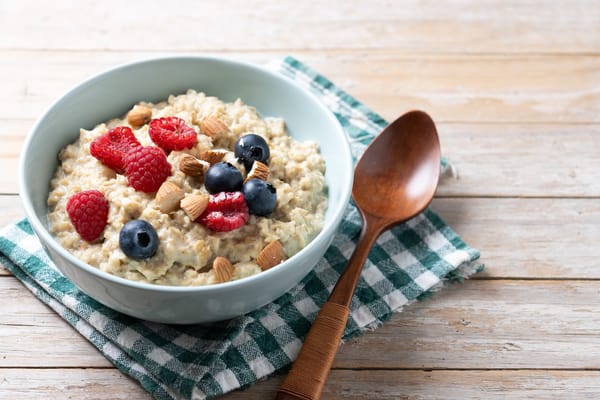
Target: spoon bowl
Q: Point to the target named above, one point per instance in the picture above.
(396, 177)
(394, 180)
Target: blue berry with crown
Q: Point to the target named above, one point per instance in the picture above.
(138, 239)
(223, 177)
(261, 197)
(250, 148)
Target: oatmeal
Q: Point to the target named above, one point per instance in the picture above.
(234, 189)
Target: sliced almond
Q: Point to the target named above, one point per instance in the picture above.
(194, 205)
(190, 165)
(222, 269)
(213, 126)
(258, 171)
(271, 255)
(168, 197)
(213, 156)
(139, 115)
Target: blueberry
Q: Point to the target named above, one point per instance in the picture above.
(138, 239)
(223, 177)
(261, 197)
(250, 148)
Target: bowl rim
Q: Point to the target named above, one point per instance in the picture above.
(49, 240)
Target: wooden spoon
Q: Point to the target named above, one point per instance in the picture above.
(394, 180)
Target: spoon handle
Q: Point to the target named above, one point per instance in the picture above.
(306, 379)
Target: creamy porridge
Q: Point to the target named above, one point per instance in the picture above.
(190, 250)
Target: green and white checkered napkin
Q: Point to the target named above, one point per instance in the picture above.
(205, 361)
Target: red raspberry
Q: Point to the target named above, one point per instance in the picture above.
(146, 168)
(225, 212)
(111, 147)
(171, 133)
(88, 211)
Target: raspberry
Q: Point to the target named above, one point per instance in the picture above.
(225, 212)
(171, 133)
(146, 168)
(111, 147)
(88, 212)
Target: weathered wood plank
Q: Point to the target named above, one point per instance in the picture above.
(81, 384)
(491, 160)
(529, 238)
(100, 384)
(10, 180)
(473, 325)
(515, 89)
(463, 88)
(444, 385)
(12, 210)
(493, 324)
(518, 238)
(33, 335)
(458, 27)
(520, 160)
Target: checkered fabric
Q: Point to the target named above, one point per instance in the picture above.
(205, 361)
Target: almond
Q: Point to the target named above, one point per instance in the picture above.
(194, 205)
(222, 269)
(190, 165)
(212, 126)
(258, 171)
(168, 197)
(271, 255)
(139, 115)
(213, 156)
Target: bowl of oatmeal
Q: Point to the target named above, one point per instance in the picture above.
(186, 189)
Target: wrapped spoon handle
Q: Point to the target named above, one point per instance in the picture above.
(308, 375)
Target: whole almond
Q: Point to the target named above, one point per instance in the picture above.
(222, 269)
(168, 197)
(194, 205)
(271, 255)
(213, 126)
(191, 166)
(139, 115)
(213, 156)
(258, 171)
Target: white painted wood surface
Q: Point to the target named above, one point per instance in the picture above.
(515, 90)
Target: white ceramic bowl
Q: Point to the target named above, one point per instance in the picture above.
(111, 94)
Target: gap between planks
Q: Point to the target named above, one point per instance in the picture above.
(306, 50)
(471, 385)
(474, 26)
(334, 368)
(542, 89)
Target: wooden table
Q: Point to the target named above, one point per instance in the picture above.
(515, 91)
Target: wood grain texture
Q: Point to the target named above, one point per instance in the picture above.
(491, 160)
(12, 210)
(444, 385)
(522, 160)
(515, 90)
(33, 335)
(468, 326)
(103, 384)
(452, 88)
(503, 324)
(425, 26)
(548, 238)
(84, 383)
